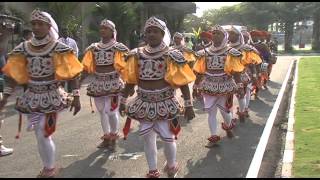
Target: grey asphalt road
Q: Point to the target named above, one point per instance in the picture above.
(77, 136)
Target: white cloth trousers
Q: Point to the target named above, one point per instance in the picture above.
(211, 105)
(149, 131)
(248, 95)
(46, 146)
(109, 119)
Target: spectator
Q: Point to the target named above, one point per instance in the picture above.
(68, 40)
(71, 43)
(5, 32)
(188, 43)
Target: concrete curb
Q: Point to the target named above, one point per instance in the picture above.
(255, 164)
(288, 154)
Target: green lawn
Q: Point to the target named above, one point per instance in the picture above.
(307, 125)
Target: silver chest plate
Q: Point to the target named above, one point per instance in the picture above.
(151, 69)
(40, 66)
(215, 62)
(104, 57)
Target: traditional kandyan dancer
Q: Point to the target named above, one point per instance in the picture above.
(265, 54)
(252, 61)
(205, 40)
(179, 44)
(105, 59)
(157, 70)
(249, 57)
(42, 63)
(218, 79)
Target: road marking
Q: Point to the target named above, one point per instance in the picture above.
(258, 155)
(70, 155)
(133, 156)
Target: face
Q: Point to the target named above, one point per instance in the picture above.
(217, 37)
(177, 40)
(39, 28)
(154, 36)
(233, 37)
(106, 32)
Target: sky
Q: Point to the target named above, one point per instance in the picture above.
(202, 6)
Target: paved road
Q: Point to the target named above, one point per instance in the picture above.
(77, 136)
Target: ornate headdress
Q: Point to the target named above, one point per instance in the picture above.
(155, 22)
(244, 32)
(109, 24)
(225, 39)
(237, 31)
(206, 34)
(179, 35)
(46, 17)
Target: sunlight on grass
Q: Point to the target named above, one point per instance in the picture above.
(307, 125)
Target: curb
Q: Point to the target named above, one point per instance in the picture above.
(256, 161)
(288, 154)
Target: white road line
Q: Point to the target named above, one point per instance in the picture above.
(258, 155)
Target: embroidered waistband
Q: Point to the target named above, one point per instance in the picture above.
(155, 95)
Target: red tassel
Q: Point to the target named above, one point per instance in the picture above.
(229, 102)
(254, 89)
(175, 127)
(126, 128)
(50, 127)
(19, 126)
(92, 111)
(114, 103)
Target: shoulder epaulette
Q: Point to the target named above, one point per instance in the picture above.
(121, 47)
(176, 56)
(61, 47)
(18, 49)
(234, 52)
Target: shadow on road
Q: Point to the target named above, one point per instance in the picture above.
(134, 142)
(227, 156)
(89, 167)
(274, 85)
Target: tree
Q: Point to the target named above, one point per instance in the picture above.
(289, 13)
(123, 14)
(222, 16)
(192, 21)
(316, 29)
(314, 9)
(257, 15)
(65, 14)
(173, 13)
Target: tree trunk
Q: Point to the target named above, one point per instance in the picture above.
(316, 32)
(288, 37)
(142, 18)
(180, 22)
